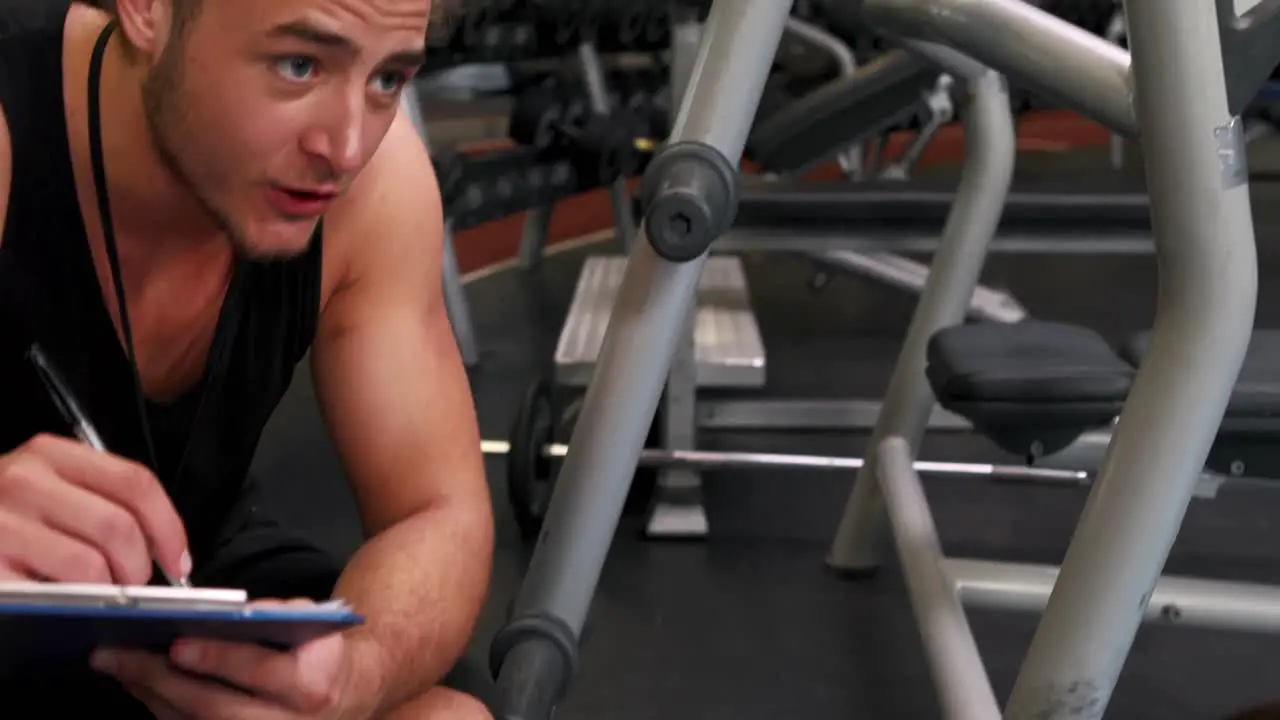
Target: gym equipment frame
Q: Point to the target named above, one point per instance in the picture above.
(722, 347)
(537, 223)
(1178, 99)
(455, 294)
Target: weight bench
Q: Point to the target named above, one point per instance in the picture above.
(1033, 388)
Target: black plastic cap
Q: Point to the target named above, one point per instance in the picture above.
(691, 198)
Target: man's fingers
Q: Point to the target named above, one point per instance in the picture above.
(83, 515)
(34, 552)
(153, 680)
(126, 484)
(303, 683)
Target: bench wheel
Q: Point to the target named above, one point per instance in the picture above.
(530, 473)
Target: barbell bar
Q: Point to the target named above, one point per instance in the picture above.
(725, 460)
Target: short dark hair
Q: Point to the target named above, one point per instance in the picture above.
(185, 11)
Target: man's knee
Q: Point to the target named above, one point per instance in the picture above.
(442, 703)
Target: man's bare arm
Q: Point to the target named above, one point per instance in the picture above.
(398, 404)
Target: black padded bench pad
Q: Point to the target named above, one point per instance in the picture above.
(1031, 362)
(881, 94)
(1257, 390)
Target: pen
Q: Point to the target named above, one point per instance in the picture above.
(66, 402)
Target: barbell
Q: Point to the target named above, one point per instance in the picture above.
(532, 455)
(734, 460)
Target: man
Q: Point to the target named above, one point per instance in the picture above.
(164, 170)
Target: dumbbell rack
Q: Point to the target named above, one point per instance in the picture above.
(503, 31)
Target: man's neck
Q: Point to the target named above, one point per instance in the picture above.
(149, 205)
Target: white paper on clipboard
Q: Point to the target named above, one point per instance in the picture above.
(143, 598)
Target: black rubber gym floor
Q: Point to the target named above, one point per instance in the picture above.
(749, 624)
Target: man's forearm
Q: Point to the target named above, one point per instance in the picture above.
(420, 585)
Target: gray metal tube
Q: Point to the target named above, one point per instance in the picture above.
(839, 50)
(677, 510)
(1203, 226)
(950, 60)
(686, 42)
(1195, 602)
(624, 217)
(957, 265)
(959, 676)
(730, 77)
(739, 43)
(455, 294)
(533, 238)
(1047, 53)
(456, 304)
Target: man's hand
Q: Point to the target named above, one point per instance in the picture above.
(69, 513)
(216, 680)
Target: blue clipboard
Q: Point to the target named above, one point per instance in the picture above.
(60, 625)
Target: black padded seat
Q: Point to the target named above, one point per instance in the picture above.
(1257, 390)
(1027, 362)
(1031, 387)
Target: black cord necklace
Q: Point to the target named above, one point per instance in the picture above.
(221, 335)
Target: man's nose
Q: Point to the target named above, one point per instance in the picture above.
(338, 140)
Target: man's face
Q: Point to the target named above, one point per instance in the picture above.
(267, 110)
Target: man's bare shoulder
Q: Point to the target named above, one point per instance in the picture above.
(399, 181)
(392, 208)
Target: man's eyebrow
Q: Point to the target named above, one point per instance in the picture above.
(306, 32)
(300, 30)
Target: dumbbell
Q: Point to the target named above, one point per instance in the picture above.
(469, 36)
(535, 116)
(561, 27)
(601, 150)
(547, 182)
(541, 111)
(562, 180)
(622, 25)
(450, 170)
(505, 42)
(657, 28)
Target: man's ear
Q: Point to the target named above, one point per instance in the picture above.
(145, 23)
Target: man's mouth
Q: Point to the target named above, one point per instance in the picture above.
(302, 202)
(322, 193)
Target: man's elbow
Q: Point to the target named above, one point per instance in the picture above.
(463, 527)
(466, 518)
(472, 518)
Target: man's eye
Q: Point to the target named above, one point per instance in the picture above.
(296, 68)
(389, 82)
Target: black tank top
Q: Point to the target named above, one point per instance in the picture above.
(205, 440)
